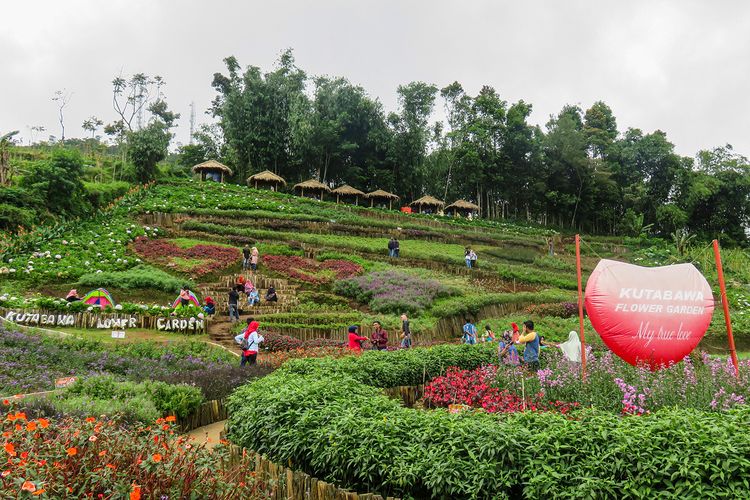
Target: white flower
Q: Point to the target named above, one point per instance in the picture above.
(137, 260)
(118, 307)
(10, 260)
(90, 308)
(200, 315)
(58, 256)
(144, 307)
(12, 270)
(14, 298)
(125, 261)
(86, 263)
(64, 242)
(98, 271)
(98, 254)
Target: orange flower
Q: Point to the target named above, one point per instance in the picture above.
(10, 449)
(38, 492)
(156, 457)
(28, 486)
(102, 453)
(159, 420)
(110, 466)
(18, 427)
(171, 418)
(5, 473)
(31, 426)
(20, 415)
(6, 402)
(44, 423)
(90, 419)
(135, 493)
(72, 451)
(24, 455)
(92, 438)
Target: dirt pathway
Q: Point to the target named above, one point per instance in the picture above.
(208, 434)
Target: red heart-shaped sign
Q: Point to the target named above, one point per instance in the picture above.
(649, 315)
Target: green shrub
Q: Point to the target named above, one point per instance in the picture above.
(102, 194)
(327, 417)
(142, 277)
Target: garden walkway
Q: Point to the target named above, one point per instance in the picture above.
(210, 435)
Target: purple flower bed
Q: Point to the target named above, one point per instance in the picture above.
(700, 381)
(31, 363)
(393, 291)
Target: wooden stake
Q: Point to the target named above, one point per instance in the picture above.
(725, 306)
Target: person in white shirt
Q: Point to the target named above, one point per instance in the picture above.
(249, 342)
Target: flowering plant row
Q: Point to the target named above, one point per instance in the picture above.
(393, 291)
(97, 458)
(277, 342)
(476, 388)
(198, 260)
(310, 271)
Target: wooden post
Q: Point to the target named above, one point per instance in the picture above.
(725, 306)
(580, 307)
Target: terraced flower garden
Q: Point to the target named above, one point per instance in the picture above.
(330, 268)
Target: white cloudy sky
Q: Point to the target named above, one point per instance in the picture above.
(679, 66)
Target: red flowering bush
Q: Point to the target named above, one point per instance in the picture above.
(311, 271)
(92, 458)
(197, 260)
(474, 388)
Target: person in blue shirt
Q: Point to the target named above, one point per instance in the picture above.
(470, 333)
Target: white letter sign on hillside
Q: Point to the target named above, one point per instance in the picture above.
(651, 315)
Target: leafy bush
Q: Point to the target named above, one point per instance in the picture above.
(556, 310)
(328, 417)
(102, 194)
(180, 400)
(276, 342)
(141, 277)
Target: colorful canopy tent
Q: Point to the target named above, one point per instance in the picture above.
(427, 202)
(313, 186)
(99, 297)
(266, 179)
(212, 170)
(379, 196)
(347, 191)
(462, 206)
(193, 300)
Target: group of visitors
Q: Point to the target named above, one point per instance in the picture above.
(252, 296)
(470, 256)
(249, 341)
(73, 296)
(250, 258)
(379, 337)
(533, 342)
(394, 248)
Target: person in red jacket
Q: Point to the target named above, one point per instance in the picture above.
(355, 341)
(249, 342)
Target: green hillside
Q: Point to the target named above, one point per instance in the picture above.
(329, 263)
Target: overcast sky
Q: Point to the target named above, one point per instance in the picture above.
(680, 66)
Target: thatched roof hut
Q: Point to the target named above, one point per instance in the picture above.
(462, 206)
(312, 186)
(347, 190)
(266, 179)
(381, 196)
(212, 170)
(427, 202)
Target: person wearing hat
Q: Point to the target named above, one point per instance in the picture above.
(73, 296)
(210, 307)
(355, 340)
(516, 333)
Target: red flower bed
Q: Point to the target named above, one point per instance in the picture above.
(311, 271)
(91, 458)
(474, 388)
(211, 258)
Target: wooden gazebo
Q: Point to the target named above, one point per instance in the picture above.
(381, 196)
(347, 190)
(266, 179)
(429, 202)
(212, 170)
(312, 186)
(462, 206)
